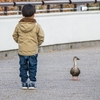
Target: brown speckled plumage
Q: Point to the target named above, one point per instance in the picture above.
(75, 71)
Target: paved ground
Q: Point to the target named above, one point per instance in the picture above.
(53, 77)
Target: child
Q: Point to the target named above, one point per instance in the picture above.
(29, 35)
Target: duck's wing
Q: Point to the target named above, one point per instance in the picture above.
(72, 71)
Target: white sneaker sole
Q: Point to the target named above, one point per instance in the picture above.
(24, 88)
(32, 88)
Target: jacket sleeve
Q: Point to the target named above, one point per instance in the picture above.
(40, 35)
(15, 35)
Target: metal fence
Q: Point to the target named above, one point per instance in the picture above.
(77, 5)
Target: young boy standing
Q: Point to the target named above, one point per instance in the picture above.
(29, 35)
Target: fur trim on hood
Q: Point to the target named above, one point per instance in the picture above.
(27, 19)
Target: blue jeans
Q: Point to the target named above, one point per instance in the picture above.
(28, 67)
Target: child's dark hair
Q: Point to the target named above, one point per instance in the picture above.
(28, 10)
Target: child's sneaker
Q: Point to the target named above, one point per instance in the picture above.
(32, 86)
(24, 86)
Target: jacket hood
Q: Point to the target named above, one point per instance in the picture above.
(27, 24)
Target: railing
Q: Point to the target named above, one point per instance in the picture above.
(78, 5)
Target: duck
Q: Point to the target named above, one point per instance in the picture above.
(75, 71)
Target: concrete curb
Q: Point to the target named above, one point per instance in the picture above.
(55, 47)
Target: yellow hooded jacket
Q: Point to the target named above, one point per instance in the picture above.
(29, 35)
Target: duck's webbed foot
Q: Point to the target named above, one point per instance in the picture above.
(75, 79)
(72, 78)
